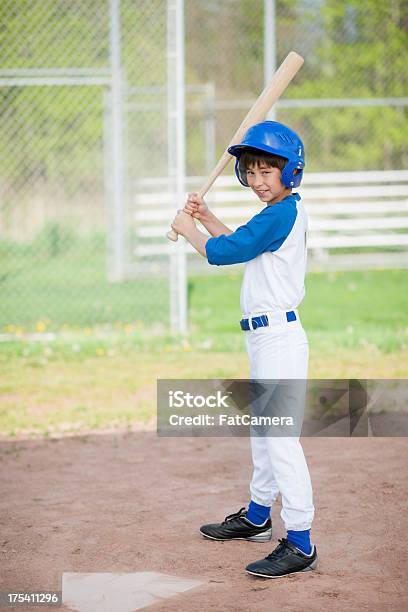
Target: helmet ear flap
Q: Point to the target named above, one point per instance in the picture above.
(290, 178)
(241, 173)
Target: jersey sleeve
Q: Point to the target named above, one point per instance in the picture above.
(266, 231)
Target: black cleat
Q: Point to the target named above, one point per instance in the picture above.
(284, 560)
(237, 527)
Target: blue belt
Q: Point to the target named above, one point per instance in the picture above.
(262, 321)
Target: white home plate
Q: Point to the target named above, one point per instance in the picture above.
(120, 592)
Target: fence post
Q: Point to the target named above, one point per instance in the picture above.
(177, 157)
(117, 220)
(270, 60)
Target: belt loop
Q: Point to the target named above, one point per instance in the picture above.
(250, 324)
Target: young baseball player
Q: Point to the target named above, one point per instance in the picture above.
(272, 244)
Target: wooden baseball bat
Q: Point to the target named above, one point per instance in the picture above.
(280, 80)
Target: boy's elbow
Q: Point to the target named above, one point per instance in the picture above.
(214, 261)
(213, 258)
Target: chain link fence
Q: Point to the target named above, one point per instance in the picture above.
(71, 151)
(84, 131)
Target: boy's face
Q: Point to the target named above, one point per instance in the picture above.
(266, 182)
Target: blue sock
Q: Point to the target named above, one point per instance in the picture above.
(301, 539)
(257, 514)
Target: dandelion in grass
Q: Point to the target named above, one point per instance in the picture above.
(185, 345)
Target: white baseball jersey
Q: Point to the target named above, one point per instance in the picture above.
(273, 246)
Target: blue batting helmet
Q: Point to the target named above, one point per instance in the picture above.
(277, 139)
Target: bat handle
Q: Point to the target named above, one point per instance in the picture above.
(172, 235)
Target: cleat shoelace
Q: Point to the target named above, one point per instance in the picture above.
(231, 517)
(280, 550)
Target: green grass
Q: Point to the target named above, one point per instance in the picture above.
(63, 282)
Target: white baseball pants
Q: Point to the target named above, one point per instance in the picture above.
(280, 351)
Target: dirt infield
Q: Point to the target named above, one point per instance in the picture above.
(129, 502)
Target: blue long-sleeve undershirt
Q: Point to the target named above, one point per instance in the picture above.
(266, 231)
